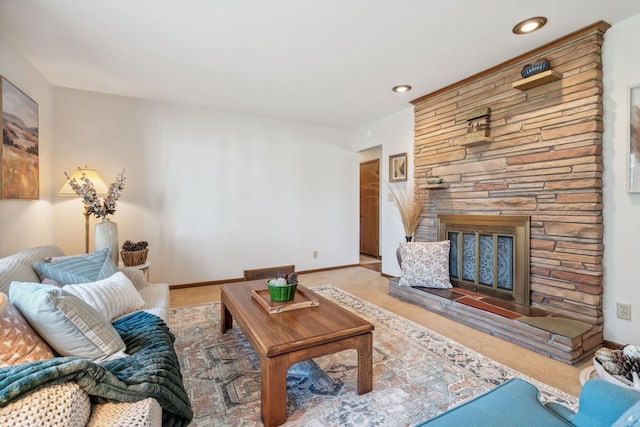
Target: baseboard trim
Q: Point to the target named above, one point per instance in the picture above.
(198, 284)
(612, 344)
(240, 279)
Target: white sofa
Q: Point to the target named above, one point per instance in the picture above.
(67, 404)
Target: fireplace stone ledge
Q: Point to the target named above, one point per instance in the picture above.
(570, 350)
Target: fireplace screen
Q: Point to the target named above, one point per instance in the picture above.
(486, 260)
(489, 254)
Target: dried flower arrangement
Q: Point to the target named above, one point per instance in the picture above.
(283, 279)
(129, 246)
(87, 191)
(409, 203)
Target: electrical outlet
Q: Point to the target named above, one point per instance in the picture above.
(315, 254)
(623, 311)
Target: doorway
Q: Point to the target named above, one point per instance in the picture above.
(370, 208)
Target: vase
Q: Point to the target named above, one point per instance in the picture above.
(399, 256)
(105, 235)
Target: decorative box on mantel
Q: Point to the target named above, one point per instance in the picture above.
(478, 127)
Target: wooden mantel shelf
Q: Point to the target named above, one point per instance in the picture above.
(537, 80)
(475, 141)
(433, 186)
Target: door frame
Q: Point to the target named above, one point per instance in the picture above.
(377, 203)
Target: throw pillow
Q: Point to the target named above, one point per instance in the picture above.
(68, 324)
(425, 264)
(97, 265)
(51, 282)
(112, 297)
(19, 343)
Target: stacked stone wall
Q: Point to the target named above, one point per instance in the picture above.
(544, 160)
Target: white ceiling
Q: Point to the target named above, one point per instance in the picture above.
(326, 62)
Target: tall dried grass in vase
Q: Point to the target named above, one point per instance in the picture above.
(408, 201)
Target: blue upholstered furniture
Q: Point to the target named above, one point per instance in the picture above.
(515, 403)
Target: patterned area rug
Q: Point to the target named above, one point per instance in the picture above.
(417, 373)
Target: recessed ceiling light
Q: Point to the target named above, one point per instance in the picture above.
(530, 25)
(401, 88)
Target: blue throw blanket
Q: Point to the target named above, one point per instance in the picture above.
(151, 370)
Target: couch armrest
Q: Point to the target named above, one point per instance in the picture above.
(144, 413)
(64, 404)
(157, 299)
(514, 403)
(602, 403)
(19, 266)
(560, 410)
(155, 295)
(136, 276)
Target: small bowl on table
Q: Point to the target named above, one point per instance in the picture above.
(282, 293)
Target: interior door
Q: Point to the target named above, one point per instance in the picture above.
(370, 208)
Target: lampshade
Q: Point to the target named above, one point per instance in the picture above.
(101, 188)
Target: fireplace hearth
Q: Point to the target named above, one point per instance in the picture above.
(489, 266)
(567, 340)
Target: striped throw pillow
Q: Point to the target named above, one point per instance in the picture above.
(69, 325)
(112, 297)
(87, 268)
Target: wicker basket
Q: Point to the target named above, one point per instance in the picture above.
(134, 257)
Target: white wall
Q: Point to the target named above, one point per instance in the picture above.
(621, 62)
(202, 184)
(214, 193)
(27, 223)
(394, 134)
(370, 154)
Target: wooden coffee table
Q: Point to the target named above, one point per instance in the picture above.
(282, 339)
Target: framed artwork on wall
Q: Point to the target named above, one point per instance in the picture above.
(634, 140)
(19, 167)
(398, 167)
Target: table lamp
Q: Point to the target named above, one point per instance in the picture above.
(101, 189)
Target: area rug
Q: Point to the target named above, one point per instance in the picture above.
(417, 373)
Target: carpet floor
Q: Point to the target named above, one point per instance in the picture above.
(417, 373)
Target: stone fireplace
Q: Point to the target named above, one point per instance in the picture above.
(540, 158)
(489, 254)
